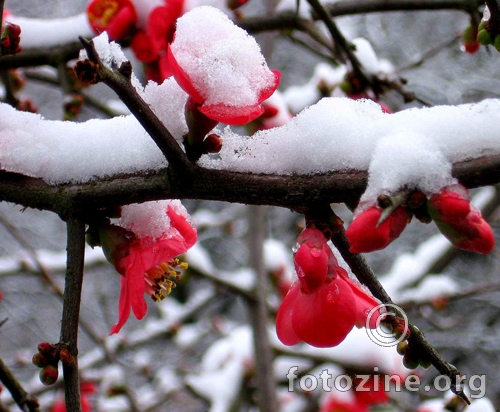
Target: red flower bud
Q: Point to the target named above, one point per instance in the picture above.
(212, 143)
(39, 360)
(48, 375)
(66, 357)
(366, 235)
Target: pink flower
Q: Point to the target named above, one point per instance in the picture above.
(117, 17)
(461, 225)
(323, 306)
(366, 235)
(143, 251)
(220, 66)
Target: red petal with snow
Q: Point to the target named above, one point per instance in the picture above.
(182, 78)
(267, 93)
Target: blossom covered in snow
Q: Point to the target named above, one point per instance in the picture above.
(143, 248)
(220, 66)
(323, 306)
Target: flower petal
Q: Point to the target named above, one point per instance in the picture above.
(182, 78)
(123, 307)
(284, 328)
(186, 230)
(325, 317)
(232, 115)
(267, 92)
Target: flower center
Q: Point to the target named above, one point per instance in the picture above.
(159, 281)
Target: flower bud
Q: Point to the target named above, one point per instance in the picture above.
(409, 362)
(401, 348)
(45, 348)
(66, 358)
(49, 375)
(39, 360)
(484, 37)
(212, 143)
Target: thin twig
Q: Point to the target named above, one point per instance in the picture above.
(339, 40)
(119, 81)
(26, 402)
(326, 217)
(42, 271)
(71, 310)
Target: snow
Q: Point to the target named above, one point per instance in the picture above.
(342, 134)
(222, 61)
(223, 367)
(52, 32)
(299, 97)
(110, 53)
(432, 287)
(167, 100)
(150, 218)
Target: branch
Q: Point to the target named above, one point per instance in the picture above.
(71, 310)
(26, 402)
(119, 81)
(297, 192)
(365, 275)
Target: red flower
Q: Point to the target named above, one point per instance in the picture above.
(461, 225)
(146, 262)
(151, 43)
(366, 235)
(341, 405)
(371, 392)
(221, 68)
(117, 17)
(323, 306)
(86, 389)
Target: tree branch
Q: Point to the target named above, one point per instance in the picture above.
(298, 192)
(71, 310)
(26, 402)
(119, 81)
(325, 216)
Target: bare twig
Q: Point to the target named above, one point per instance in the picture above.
(119, 81)
(71, 310)
(26, 402)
